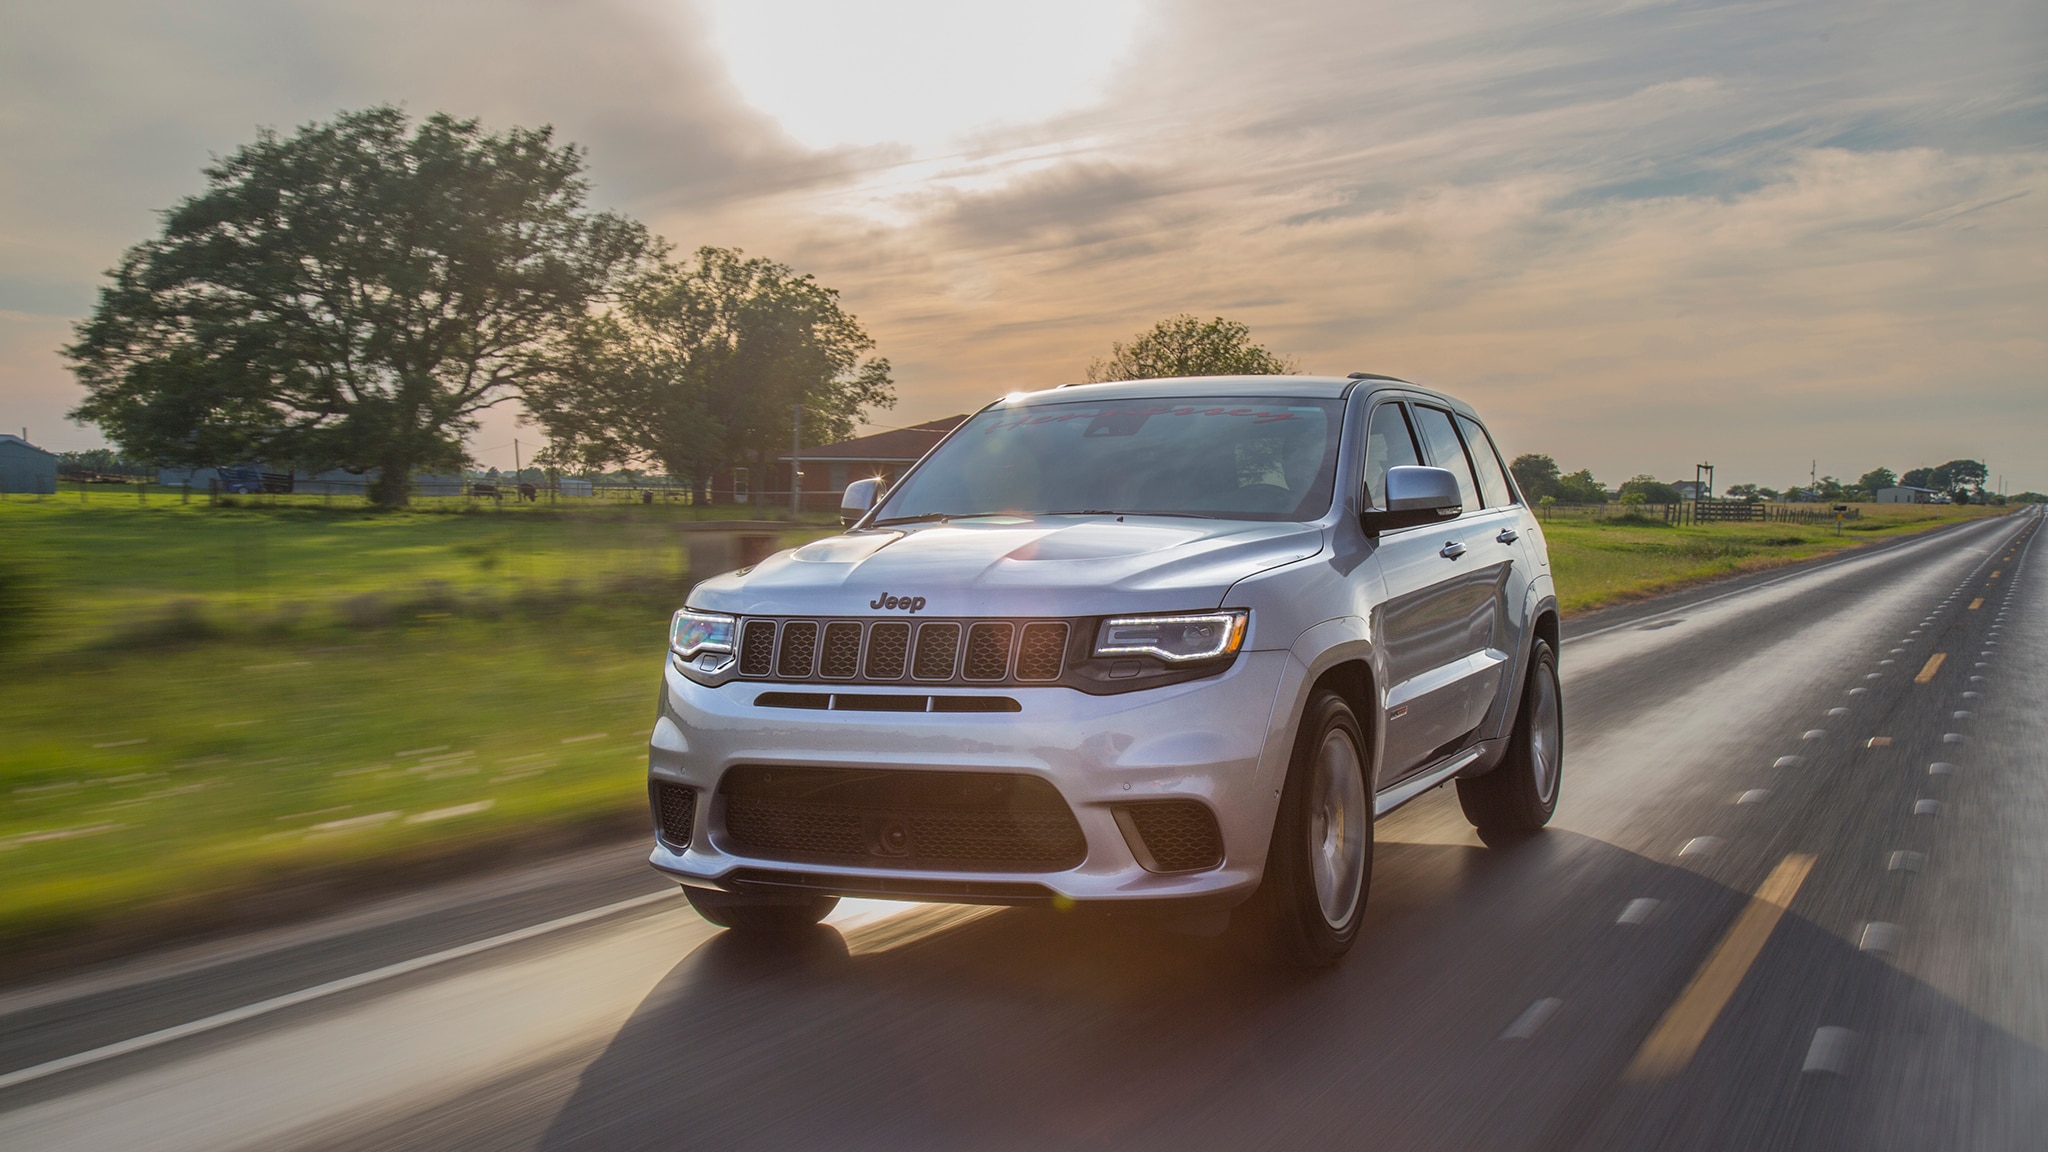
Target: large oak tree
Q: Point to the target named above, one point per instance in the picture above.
(352, 295)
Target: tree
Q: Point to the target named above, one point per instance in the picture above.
(1955, 478)
(1535, 474)
(1745, 492)
(351, 295)
(1185, 346)
(699, 366)
(1581, 488)
(1653, 490)
(1875, 479)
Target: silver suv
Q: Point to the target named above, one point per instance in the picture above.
(1165, 646)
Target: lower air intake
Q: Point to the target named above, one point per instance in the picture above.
(675, 813)
(939, 821)
(1173, 835)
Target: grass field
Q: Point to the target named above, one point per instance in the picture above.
(212, 702)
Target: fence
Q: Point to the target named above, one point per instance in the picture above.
(1692, 512)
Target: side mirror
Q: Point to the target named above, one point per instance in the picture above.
(1413, 496)
(860, 496)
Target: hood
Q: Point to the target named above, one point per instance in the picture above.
(1013, 567)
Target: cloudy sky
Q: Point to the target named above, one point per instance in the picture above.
(1638, 235)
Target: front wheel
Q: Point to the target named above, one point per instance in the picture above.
(765, 913)
(1319, 867)
(1519, 796)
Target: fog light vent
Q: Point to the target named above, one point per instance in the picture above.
(1172, 835)
(675, 813)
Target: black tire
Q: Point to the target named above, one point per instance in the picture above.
(1517, 798)
(764, 913)
(1319, 867)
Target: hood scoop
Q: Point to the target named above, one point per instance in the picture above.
(1103, 541)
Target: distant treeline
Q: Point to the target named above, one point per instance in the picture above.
(1959, 480)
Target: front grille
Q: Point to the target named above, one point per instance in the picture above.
(757, 648)
(901, 819)
(980, 652)
(937, 646)
(841, 660)
(888, 647)
(1042, 651)
(799, 645)
(988, 651)
(675, 813)
(1179, 835)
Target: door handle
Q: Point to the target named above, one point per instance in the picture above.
(1508, 536)
(1451, 550)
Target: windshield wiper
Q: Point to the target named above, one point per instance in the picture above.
(935, 518)
(1114, 512)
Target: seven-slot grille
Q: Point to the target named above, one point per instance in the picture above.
(894, 651)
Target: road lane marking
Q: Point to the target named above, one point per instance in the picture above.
(1904, 861)
(1926, 807)
(1976, 604)
(1532, 1018)
(1928, 669)
(1879, 936)
(1878, 742)
(1700, 846)
(318, 991)
(1940, 769)
(1829, 1051)
(1671, 1045)
(1753, 796)
(1638, 911)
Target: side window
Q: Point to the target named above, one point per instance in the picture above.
(1493, 479)
(1441, 439)
(1388, 444)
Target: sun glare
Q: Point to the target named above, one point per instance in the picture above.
(918, 72)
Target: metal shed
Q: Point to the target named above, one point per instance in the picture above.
(25, 467)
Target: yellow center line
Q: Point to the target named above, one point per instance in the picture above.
(1976, 604)
(1995, 575)
(1678, 1035)
(1928, 669)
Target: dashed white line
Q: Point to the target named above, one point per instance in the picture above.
(1700, 846)
(1787, 762)
(1638, 910)
(1904, 861)
(1753, 796)
(1829, 1052)
(1939, 768)
(1532, 1019)
(1926, 807)
(1879, 936)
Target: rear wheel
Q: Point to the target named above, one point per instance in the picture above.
(763, 913)
(1319, 867)
(1519, 796)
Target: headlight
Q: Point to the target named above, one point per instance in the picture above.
(1174, 639)
(692, 632)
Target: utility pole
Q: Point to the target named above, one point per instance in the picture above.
(796, 464)
(517, 475)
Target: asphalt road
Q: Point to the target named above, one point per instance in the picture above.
(1796, 896)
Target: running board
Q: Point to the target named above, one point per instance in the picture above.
(1414, 786)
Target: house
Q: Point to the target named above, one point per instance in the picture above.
(1905, 495)
(829, 468)
(25, 467)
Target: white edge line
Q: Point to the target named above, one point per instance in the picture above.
(304, 995)
(1825, 563)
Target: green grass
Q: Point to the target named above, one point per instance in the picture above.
(1601, 562)
(212, 700)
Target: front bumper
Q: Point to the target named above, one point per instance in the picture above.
(1209, 740)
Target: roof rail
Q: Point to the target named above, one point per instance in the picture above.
(1373, 376)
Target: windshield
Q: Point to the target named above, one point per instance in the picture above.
(1227, 458)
